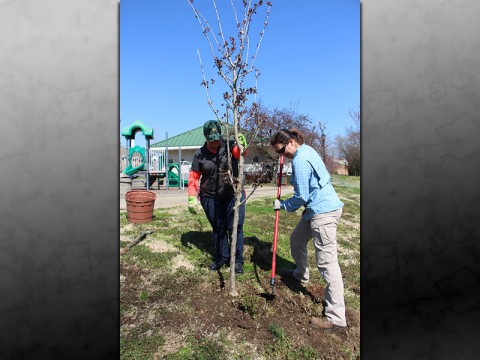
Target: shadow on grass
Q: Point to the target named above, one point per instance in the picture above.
(262, 258)
(202, 240)
(262, 255)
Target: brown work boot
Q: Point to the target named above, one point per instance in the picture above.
(324, 324)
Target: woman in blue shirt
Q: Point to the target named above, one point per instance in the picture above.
(314, 191)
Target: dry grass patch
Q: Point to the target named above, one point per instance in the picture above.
(160, 246)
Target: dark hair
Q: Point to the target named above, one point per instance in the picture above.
(283, 135)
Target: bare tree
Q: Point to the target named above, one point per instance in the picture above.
(234, 60)
(349, 145)
(268, 121)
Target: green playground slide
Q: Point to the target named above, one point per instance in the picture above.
(130, 170)
(173, 178)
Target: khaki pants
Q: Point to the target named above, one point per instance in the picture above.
(323, 229)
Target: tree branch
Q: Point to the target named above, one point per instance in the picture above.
(140, 238)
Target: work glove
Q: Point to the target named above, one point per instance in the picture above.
(277, 205)
(193, 204)
(242, 140)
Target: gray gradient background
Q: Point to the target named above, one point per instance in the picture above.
(59, 186)
(420, 193)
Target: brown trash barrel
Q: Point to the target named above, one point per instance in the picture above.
(140, 205)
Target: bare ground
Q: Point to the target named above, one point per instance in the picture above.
(183, 306)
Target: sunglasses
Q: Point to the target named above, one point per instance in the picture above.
(282, 150)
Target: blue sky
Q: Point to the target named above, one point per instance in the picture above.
(309, 60)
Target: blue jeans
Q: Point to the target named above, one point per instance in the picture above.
(220, 215)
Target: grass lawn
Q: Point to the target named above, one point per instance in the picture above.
(172, 307)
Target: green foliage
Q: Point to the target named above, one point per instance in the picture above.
(250, 304)
(150, 277)
(349, 353)
(143, 296)
(123, 219)
(277, 332)
(141, 344)
(202, 349)
(283, 348)
(306, 352)
(143, 256)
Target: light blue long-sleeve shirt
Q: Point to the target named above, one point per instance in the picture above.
(311, 183)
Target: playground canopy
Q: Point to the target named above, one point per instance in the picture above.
(137, 125)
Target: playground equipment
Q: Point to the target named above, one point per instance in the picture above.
(137, 160)
(153, 160)
(141, 154)
(177, 178)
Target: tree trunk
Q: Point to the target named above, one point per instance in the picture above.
(231, 61)
(238, 195)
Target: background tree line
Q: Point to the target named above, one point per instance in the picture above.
(265, 122)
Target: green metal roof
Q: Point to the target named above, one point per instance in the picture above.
(192, 137)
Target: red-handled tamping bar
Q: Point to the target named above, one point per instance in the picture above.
(275, 231)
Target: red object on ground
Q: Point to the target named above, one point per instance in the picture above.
(275, 232)
(140, 205)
